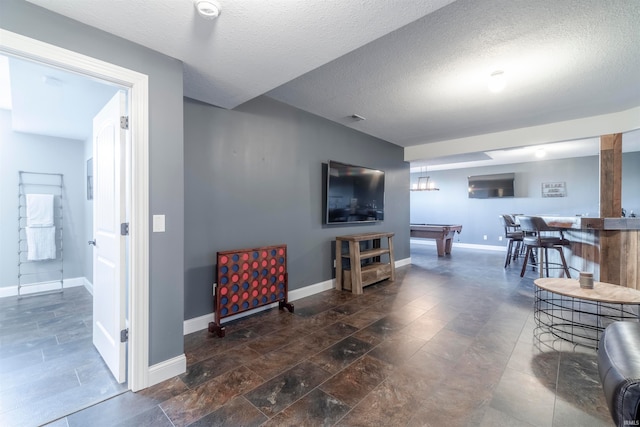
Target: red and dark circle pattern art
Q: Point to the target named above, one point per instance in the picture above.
(250, 278)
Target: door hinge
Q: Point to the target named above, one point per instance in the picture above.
(124, 335)
(124, 229)
(124, 122)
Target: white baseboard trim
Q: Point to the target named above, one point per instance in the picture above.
(12, 291)
(403, 262)
(431, 242)
(484, 247)
(202, 322)
(307, 291)
(168, 369)
(88, 285)
(199, 323)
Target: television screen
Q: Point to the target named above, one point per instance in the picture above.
(354, 194)
(489, 186)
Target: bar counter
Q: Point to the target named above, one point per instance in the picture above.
(607, 247)
(588, 223)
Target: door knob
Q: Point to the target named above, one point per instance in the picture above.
(92, 242)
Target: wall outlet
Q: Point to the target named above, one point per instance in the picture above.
(500, 238)
(484, 237)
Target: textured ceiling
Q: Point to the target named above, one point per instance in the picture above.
(417, 70)
(254, 45)
(427, 82)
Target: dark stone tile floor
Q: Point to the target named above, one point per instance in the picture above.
(449, 343)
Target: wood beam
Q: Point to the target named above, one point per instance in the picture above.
(611, 175)
(610, 206)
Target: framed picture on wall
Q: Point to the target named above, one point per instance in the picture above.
(554, 189)
(90, 179)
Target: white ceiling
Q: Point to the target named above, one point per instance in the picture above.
(427, 81)
(255, 45)
(415, 69)
(50, 101)
(532, 153)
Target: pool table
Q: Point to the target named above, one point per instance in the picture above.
(442, 233)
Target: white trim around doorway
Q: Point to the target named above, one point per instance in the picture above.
(137, 83)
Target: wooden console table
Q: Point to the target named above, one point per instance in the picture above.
(365, 265)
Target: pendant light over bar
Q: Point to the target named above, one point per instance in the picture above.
(424, 184)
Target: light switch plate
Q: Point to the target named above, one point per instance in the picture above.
(158, 223)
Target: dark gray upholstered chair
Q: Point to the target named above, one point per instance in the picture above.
(619, 369)
(513, 234)
(537, 236)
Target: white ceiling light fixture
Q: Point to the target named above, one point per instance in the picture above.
(208, 9)
(540, 153)
(497, 81)
(423, 183)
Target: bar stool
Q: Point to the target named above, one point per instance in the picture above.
(513, 220)
(513, 234)
(534, 228)
(513, 224)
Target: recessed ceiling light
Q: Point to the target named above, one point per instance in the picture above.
(208, 9)
(497, 81)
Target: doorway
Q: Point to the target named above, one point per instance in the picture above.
(137, 273)
(52, 359)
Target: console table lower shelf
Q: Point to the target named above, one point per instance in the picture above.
(578, 315)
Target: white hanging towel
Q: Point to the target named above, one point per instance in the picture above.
(39, 210)
(41, 243)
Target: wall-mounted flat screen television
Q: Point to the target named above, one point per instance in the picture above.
(354, 194)
(490, 186)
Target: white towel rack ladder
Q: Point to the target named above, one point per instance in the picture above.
(47, 275)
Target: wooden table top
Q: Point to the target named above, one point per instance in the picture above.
(601, 292)
(364, 236)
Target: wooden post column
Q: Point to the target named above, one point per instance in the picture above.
(610, 206)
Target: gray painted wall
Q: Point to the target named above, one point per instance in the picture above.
(37, 153)
(479, 216)
(253, 176)
(166, 261)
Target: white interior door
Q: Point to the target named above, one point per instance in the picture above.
(109, 211)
